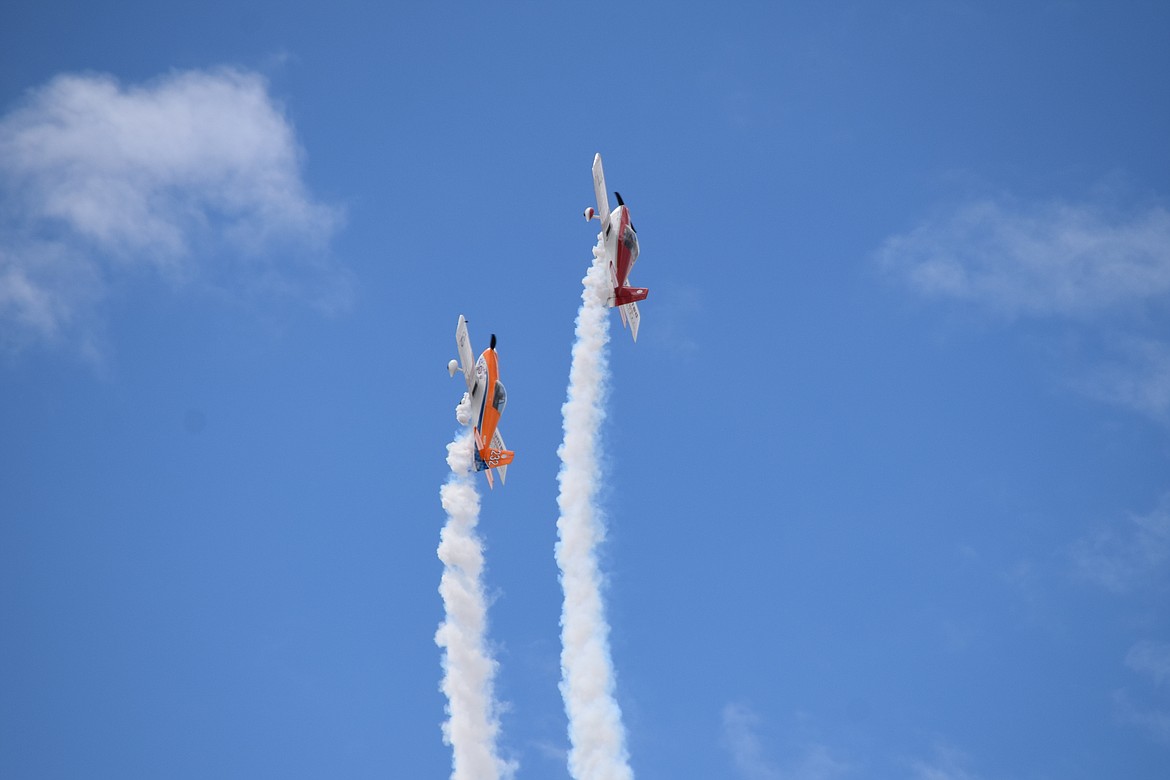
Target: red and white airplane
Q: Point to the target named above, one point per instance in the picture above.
(621, 250)
(488, 398)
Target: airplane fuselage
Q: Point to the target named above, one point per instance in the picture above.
(491, 404)
(621, 244)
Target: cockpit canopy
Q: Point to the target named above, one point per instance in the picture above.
(630, 239)
(500, 397)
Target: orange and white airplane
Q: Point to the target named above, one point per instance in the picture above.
(488, 398)
(621, 249)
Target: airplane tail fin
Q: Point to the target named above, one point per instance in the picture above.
(492, 459)
(633, 317)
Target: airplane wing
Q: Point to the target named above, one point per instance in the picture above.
(600, 191)
(466, 359)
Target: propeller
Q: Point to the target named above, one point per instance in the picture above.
(618, 195)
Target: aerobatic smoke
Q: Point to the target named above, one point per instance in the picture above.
(596, 736)
(472, 724)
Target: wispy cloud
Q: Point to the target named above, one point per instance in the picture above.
(1151, 659)
(740, 735)
(194, 177)
(1136, 376)
(947, 763)
(1099, 270)
(1127, 554)
(741, 727)
(1151, 720)
(1051, 259)
(818, 763)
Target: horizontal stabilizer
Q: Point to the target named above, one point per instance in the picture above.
(496, 458)
(624, 295)
(493, 458)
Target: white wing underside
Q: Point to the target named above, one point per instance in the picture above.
(600, 191)
(463, 345)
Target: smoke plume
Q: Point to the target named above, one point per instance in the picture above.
(596, 735)
(472, 725)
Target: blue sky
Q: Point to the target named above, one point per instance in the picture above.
(888, 470)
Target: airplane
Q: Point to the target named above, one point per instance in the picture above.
(621, 250)
(488, 398)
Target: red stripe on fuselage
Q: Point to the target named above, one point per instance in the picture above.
(623, 251)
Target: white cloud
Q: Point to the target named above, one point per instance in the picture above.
(1151, 659)
(1092, 267)
(818, 764)
(740, 725)
(195, 176)
(1127, 555)
(1154, 722)
(946, 764)
(1053, 259)
(1136, 376)
(741, 738)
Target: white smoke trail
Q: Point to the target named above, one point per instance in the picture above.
(472, 724)
(596, 736)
